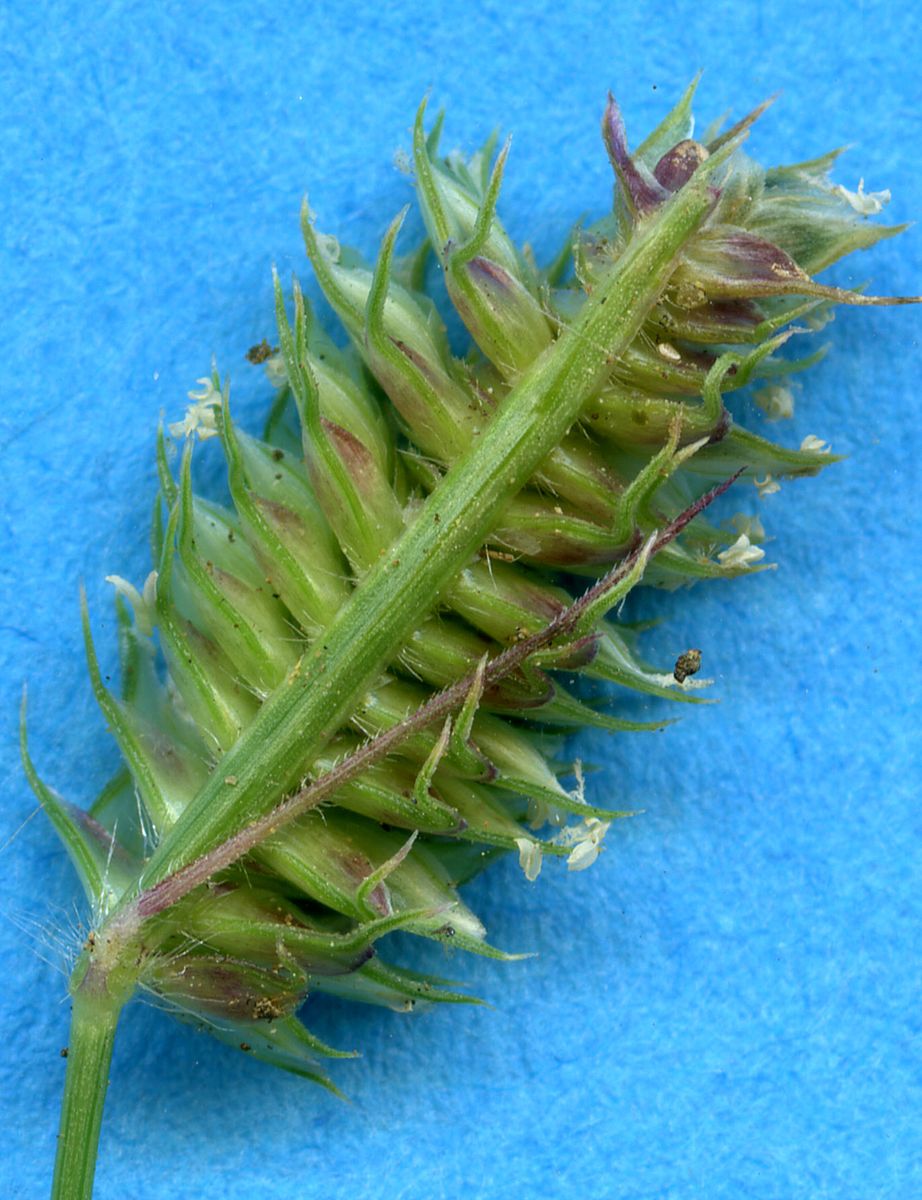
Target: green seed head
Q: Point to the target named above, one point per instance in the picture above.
(401, 529)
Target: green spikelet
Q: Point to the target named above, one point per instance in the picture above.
(339, 692)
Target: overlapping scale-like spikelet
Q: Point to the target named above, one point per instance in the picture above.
(357, 440)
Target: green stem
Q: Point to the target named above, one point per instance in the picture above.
(92, 1034)
(308, 708)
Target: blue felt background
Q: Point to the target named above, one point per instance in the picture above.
(724, 1006)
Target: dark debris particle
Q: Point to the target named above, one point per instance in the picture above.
(260, 352)
(687, 664)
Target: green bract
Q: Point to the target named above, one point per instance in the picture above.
(378, 624)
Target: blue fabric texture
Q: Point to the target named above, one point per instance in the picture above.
(724, 1005)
